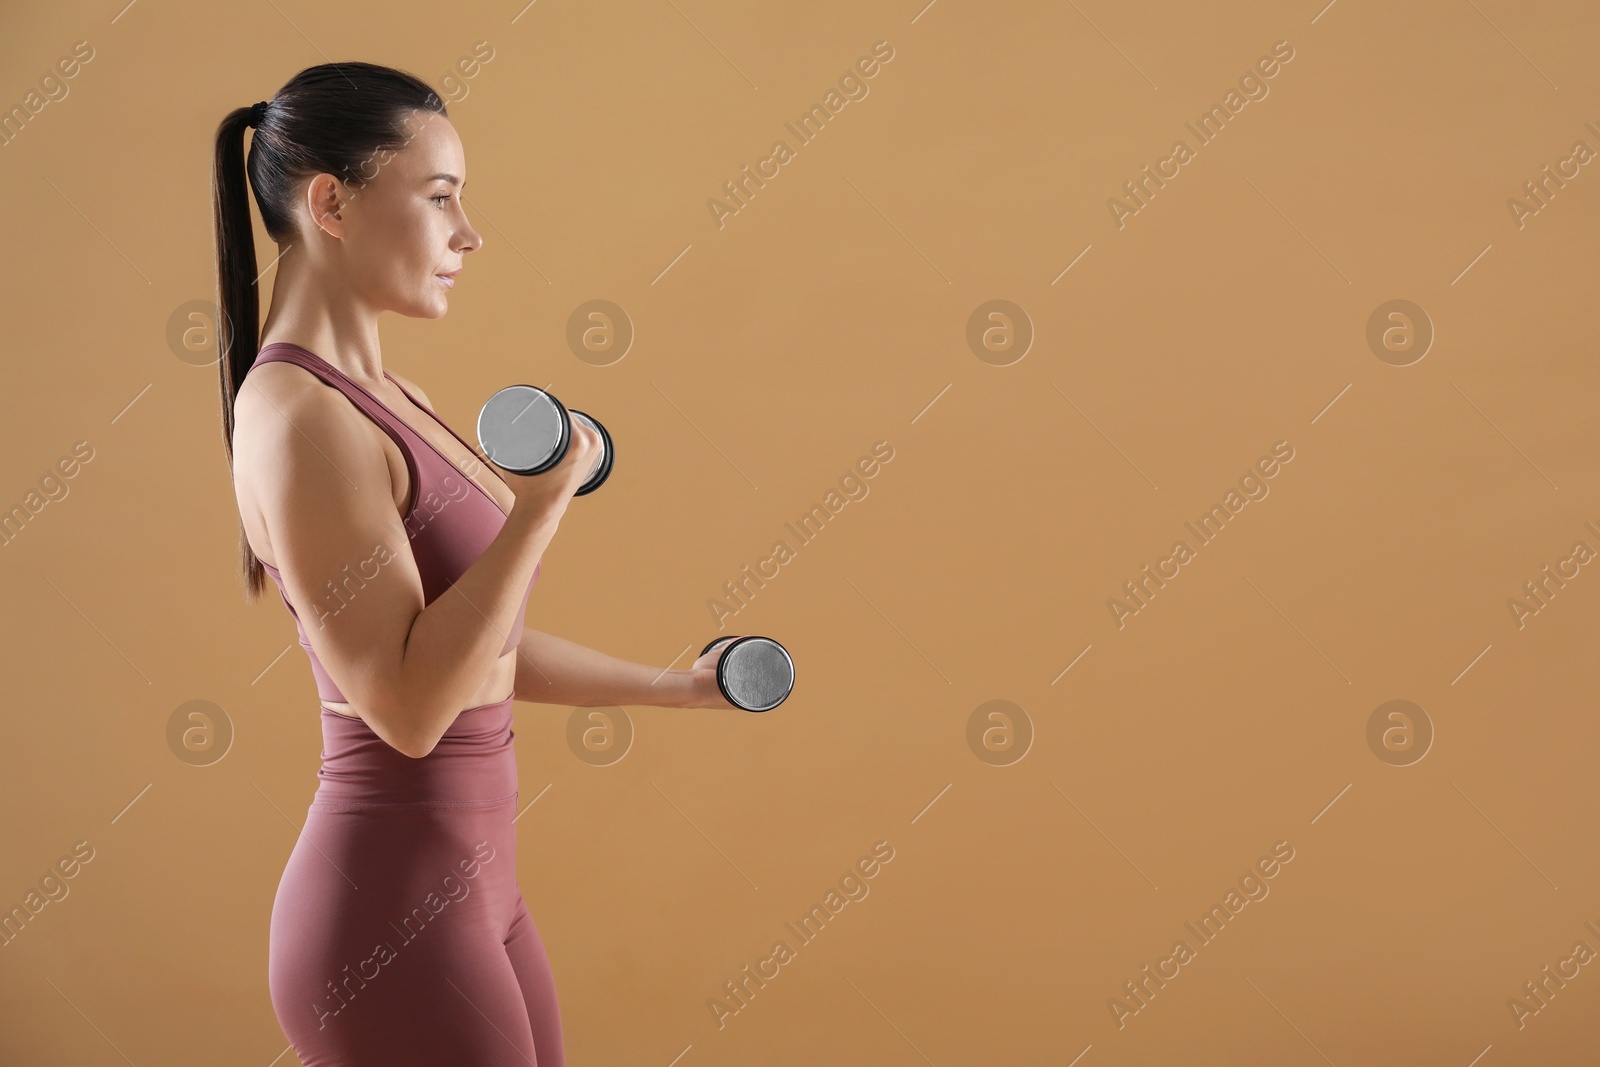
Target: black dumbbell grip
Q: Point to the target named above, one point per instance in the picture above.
(713, 644)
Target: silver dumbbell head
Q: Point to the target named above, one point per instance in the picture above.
(755, 673)
(521, 428)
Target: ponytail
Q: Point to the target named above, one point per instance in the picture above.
(336, 118)
(238, 299)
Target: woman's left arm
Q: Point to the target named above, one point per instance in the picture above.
(553, 670)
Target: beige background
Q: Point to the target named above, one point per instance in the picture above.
(830, 313)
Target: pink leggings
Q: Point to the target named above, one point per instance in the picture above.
(399, 935)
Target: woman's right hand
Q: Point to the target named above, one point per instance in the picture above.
(553, 489)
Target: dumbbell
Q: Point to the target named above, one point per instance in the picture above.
(527, 431)
(754, 673)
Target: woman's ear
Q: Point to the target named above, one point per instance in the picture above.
(325, 198)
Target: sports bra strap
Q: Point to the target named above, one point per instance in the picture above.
(284, 352)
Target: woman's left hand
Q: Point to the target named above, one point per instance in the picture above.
(703, 689)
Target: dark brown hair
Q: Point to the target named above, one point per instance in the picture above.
(336, 118)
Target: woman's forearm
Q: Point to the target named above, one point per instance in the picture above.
(553, 670)
(457, 638)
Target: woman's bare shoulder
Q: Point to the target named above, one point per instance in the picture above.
(413, 388)
(314, 483)
(285, 418)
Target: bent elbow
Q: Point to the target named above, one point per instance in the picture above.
(399, 734)
(410, 744)
(418, 750)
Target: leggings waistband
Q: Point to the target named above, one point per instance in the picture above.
(401, 807)
(472, 766)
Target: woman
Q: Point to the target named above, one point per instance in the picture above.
(399, 934)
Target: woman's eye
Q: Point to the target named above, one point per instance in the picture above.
(441, 196)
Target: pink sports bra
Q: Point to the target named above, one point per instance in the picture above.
(450, 519)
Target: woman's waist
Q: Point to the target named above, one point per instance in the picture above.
(473, 764)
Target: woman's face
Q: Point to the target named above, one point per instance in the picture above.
(406, 226)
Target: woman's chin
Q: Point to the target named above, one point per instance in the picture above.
(435, 308)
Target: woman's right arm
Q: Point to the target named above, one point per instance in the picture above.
(319, 477)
